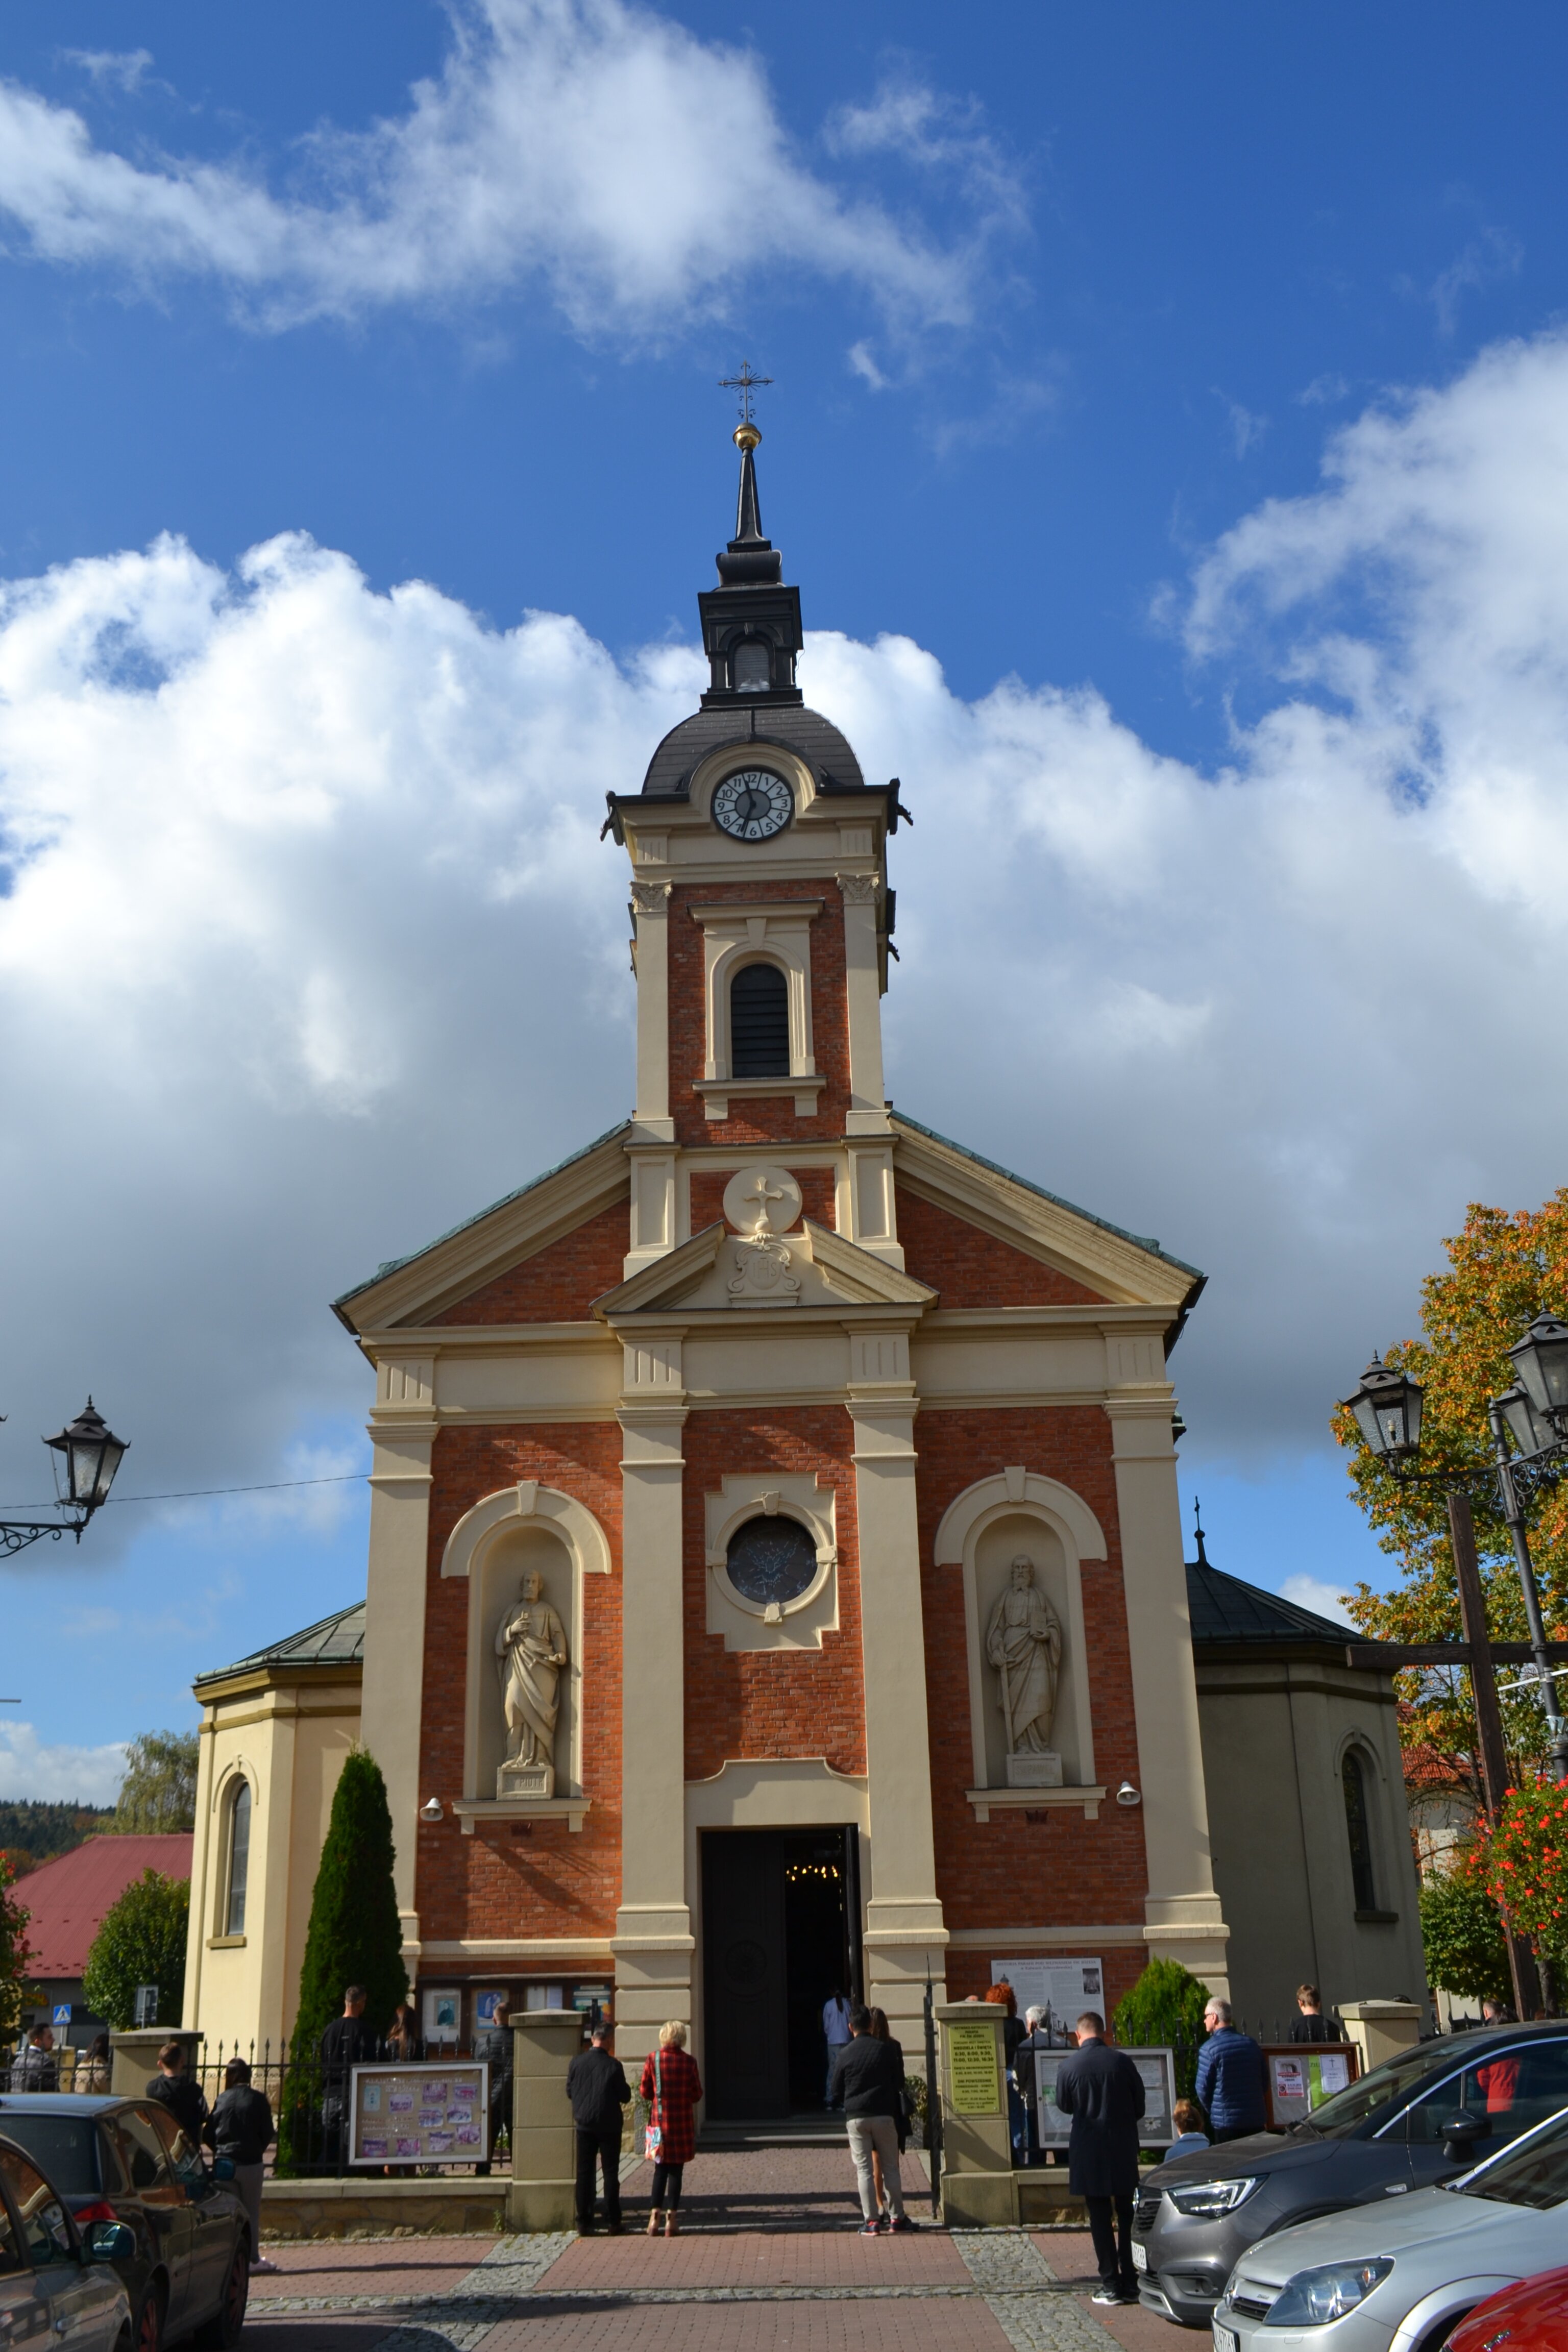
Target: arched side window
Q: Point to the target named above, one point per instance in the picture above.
(1358, 1828)
(238, 1858)
(751, 666)
(759, 1023)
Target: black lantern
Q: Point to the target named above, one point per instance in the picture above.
(1387, 1407)
(1542, 1357)
(1530, 1431)
(87, 1457)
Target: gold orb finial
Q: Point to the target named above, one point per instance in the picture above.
(746, 436)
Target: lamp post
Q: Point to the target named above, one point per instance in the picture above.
(87, 1453)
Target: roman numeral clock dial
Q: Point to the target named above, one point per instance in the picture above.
(753, 805)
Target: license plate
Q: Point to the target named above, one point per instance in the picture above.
(1140, 2256)
(1226, 2339)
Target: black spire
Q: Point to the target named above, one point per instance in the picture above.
(750, 622)
(1203, 1558)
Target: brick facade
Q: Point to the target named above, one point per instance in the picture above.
(752, 1703)
(758, 1118)
(558, 1283)
(537, 1878)
(971, 1268)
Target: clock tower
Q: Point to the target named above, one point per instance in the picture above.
(840, 1459)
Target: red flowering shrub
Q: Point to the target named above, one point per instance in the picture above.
(1526, 1862)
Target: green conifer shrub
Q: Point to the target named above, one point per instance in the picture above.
(1166, 2005)
(355, 1938)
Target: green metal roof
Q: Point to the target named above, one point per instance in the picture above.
(336, 1641)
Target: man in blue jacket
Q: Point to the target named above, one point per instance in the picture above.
(1231, 2077)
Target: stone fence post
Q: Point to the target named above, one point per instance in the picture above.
(133, 2056)
(978, 2189)
(542, 2195)
(1380, 2029)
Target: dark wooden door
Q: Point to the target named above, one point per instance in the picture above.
(745, 2007)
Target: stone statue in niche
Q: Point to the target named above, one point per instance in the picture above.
(1024, 1642)
(531, 1649)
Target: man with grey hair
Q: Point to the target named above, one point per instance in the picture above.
(1231, 2078)
(1025, 2077)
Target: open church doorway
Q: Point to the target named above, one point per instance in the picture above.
(781, 1928)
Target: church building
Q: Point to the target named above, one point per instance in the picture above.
(776, 1574)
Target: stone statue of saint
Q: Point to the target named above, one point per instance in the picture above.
(1024, 1642)
(531, 1649)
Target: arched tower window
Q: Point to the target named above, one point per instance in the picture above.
(759, 1023)
(238, 1858)
(1358, 1827)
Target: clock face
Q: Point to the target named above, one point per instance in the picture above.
(753, 805)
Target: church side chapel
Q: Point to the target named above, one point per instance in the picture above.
(775, 1575)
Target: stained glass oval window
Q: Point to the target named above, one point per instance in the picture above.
(771, 1560)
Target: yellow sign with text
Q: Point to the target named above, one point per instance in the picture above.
(973, 2070)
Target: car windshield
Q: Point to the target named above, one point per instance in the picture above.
(1386, 2087)
(65, 2145)
(1534, 2173)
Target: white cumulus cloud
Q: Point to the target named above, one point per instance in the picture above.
(594, 146)
(57, 1775)
(311, 947)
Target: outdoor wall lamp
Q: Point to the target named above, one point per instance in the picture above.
(1128, 1795)
(1534, 1416)
(87, 1455)
(432, 1810)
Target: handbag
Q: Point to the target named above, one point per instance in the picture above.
(653, 2133)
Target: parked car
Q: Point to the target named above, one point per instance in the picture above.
(187, 2270)
(1424, 2117)
(1528, 2318)
(1400, 2278)
(58, 2282)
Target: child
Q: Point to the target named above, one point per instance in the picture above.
(1189, 2122)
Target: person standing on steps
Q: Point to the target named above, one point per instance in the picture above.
(598, 2091)
(671, 2086)
(1102, 2091)
(870, 2078)
(1231, 2077)
(836, 2033)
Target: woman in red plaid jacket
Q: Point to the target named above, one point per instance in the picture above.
(672, 2086)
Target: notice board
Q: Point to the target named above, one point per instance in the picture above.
(1157, 2068)
(972, 2072)
(436, 2113)
(1303, 2075)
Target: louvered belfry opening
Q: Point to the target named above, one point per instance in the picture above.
(759, 1023)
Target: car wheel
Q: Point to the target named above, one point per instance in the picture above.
(221, 2332)
(148, 2331)
(1443, 2330)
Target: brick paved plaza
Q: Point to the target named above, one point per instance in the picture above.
(769, 2261)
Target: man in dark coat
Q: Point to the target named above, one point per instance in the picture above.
(173, 2089)
(1232, 2083)
(1102, 2091)
(347, 2042)
(598, 2091)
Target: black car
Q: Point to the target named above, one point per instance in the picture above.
(1427, 2114)
(127, 2160)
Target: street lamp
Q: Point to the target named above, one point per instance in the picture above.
(87, 1453)
(1387, 1410)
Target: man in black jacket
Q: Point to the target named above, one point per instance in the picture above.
(173, 2089)
(347, 2042)
(1102, 2091)
(599, 2090)
(868, 2076)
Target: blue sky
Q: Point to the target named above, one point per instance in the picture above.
(1165, 434)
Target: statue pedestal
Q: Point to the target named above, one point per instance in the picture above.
(1040, 1768)
(536, 1780)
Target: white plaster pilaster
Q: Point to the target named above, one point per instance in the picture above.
(867, 1113)
(403, 1431)
(1182, 1911)
(653, 1943)
(904, 1933)
(650, 907)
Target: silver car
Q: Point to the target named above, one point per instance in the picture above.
(59, 2288)
(1399, 2277)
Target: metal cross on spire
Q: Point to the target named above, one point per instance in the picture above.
(745, 383)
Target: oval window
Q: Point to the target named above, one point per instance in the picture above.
(771, 1560)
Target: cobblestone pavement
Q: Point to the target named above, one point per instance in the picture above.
(769, 2259)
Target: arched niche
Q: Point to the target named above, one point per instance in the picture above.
(524, 1529)
(981, 1532)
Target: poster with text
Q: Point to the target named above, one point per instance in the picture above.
(1064, 1987)
(429, 2113)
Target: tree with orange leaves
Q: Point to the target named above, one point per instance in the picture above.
(1503, 1269)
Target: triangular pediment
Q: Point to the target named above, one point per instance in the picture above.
(701, 1276)
(1123, 1269)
